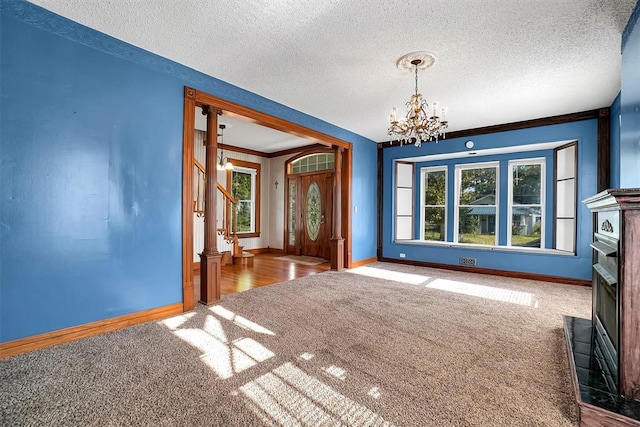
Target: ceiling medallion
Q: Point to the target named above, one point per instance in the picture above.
(417, 126)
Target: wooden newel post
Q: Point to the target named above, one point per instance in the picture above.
(337, 242)
(210, 258)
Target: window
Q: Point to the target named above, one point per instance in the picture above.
(313, 163)
(526, 203)
(566, 194)
(404, 201)
(243, 182)
(476, 204)
(434, 203)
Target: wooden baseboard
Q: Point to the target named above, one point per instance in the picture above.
(196, 266)
(257, 251)
(362, 262)
(266, 250)
(48, 339)
(490, 271)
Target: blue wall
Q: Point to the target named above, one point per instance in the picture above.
(91, 173)
(630, 104)
(579, 266)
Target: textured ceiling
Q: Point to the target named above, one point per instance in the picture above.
(498, 61)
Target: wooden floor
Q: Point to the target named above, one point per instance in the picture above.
(266, 270)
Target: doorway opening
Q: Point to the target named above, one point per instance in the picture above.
(317, 185)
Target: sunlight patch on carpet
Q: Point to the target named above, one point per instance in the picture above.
(239, 320)
(486, 292)
(336, 372)
(225, 359)
(289, 396)
(175, 322)
(378, 273)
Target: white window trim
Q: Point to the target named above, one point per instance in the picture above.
(423, 172)
(458, 182)
(518, 162)
(254, 174)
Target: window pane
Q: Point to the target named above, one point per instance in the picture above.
(434, 228)
(313, 211)
(244, 216)
(525, 226)
(477, 225)
(478, 186)
(435, 188)
(292, 213)
(241, 185)
(526, 184)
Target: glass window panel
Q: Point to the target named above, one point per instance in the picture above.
(313, 210)
(566, 198)
(313, 167)
(566, 163)
(243, 223)
(525, 226)
(404, 175)
(526, 184)
(434, 224)
(403, 227)
(404, 201)
(241, 185)
(435, 188)
(295, 168)
(292, 213)
(477, 225)
(565, 234)
(478, 186)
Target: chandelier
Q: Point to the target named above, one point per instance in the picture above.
(223, 163)
(417, 126)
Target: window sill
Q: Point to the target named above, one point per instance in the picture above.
(519, 249)
(247, 235)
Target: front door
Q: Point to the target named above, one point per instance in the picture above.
(314, 216)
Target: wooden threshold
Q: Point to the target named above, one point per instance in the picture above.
(48, 339)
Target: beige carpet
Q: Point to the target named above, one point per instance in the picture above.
(379, 345)
(302, 259)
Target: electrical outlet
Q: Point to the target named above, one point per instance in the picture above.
(402, 256)
(467, 261)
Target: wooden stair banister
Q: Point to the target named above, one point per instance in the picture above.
(228, 228)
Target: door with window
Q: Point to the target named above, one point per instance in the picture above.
(315, 215)
(310, 205)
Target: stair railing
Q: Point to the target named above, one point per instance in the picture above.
(229, 220)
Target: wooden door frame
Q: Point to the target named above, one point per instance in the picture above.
(300, 192)
(287, 175)
(193, 98)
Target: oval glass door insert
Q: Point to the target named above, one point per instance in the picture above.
(313, 209)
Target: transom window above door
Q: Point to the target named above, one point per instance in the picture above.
(312, 163)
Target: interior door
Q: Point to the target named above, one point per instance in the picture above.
(315, 214)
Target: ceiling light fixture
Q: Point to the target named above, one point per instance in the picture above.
(417, 126)
(223, 164)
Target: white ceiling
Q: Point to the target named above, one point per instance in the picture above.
(498, 61)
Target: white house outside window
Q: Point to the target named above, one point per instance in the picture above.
(476, 210)
(526, 203)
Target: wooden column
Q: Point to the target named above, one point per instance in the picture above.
(337, 242)
(210, 258)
